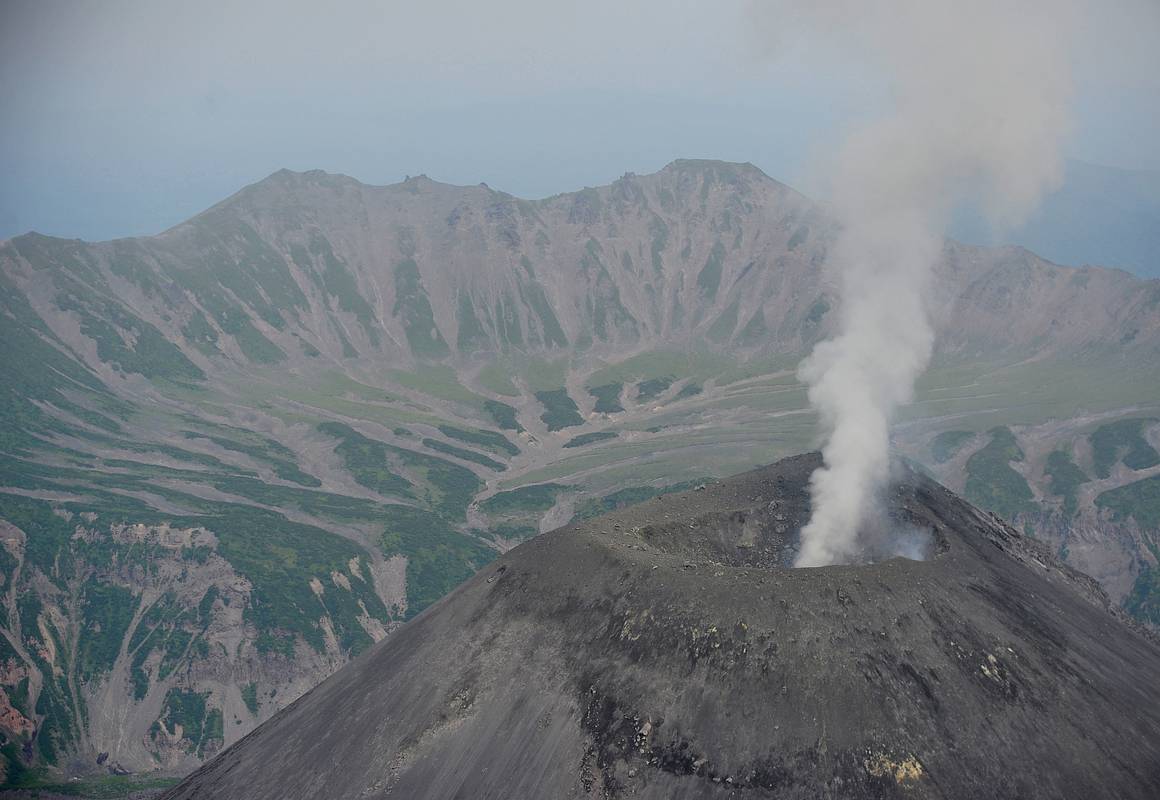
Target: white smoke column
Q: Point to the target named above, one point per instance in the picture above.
(980, 92)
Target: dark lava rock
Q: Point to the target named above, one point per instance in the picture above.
(591, 663)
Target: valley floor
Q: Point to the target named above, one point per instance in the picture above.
(244, 542)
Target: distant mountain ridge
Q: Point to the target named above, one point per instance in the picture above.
(706, 252)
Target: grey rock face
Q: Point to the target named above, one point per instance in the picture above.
(664, 651)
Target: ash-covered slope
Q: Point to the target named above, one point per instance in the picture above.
(664, 652)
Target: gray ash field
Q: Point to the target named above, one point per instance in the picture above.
(666, 651)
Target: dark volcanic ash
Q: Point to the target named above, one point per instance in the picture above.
(666, 652)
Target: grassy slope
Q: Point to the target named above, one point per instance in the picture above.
(381, 438)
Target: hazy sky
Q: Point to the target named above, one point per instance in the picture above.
(123, 118)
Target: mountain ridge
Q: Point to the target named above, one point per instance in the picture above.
(301, 200)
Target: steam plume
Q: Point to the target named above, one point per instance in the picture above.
(980, 90)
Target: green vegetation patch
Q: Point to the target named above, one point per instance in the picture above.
(944, 446)
(253, 344)
(38, 373)
(367, 460)
(413, 307)
(280, 558)
(250, 697)
(177, 453)
(108, 610)
(471, 336)
(489, 439)
(1065, 479)
(590, 438)
(503, 414)
(439, 558)
(230, 262)
(992, 483)
(609, 316)
(48, 535)
(659, 233)
(536, 298)
(1122, 440)
(1143, 602)
(607, 397)
(100, 787)
(125, 340)
(168, 628)
(449, 487)
(1139, 500)
(818, 310)
(537, 497)
(560, 411)
(265, 450)
(201, 334)
(653, 388)
(709, 278)
(465, 454)
(317, 503)
(200, 725)
(339, 282)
